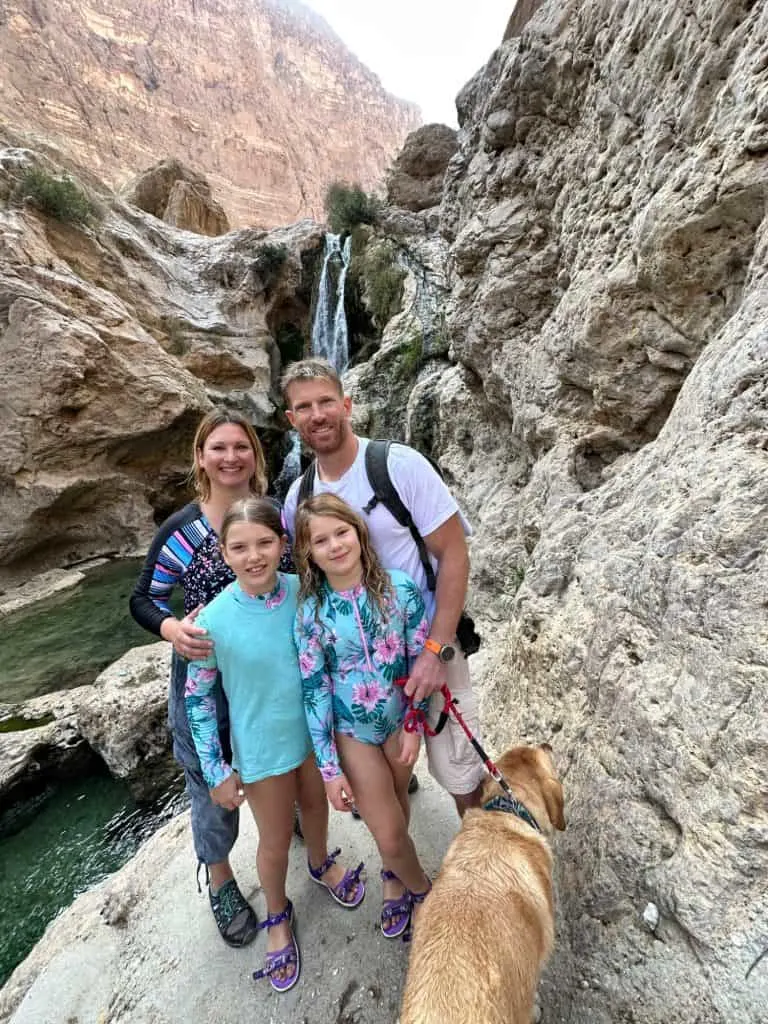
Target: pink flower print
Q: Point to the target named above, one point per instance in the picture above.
(388, 647)
(367, 695)
(275, 600)
(421, 634)
(307, 663)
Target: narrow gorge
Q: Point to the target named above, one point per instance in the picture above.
(565, 303)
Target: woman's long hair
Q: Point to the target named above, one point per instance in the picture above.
(374, 578)
(218, 418)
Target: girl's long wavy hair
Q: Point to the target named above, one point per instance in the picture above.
(218, 418)
(374, 578)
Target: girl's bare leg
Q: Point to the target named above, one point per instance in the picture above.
(271, 802)
(313, 805)
(380, 785)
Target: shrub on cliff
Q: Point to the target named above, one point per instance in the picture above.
(59, 198)
(269, 262)
(346, 206)
(383, 282)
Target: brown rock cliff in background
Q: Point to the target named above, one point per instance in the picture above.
(259, 95)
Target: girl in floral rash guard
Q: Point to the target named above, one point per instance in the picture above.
(358, 629)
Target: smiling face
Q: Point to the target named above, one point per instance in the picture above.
(320, 413)
(227, 458)
(252, 551)
(334, 547)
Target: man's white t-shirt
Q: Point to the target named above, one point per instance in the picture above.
(422, 491)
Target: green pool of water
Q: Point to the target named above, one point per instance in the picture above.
(67, 639)
(58, 845)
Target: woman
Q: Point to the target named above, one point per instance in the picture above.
(228, 464)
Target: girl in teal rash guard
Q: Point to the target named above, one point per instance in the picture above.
(251, 626)
(358, 630)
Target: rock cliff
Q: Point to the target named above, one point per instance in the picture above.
(597, 394)
(607, 424)
(116, 335)
(260, 96)
(604, 237)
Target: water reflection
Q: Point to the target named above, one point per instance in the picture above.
(59, 844)
(68, 638)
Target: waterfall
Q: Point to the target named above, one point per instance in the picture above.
(329, 337)
(329, 328)
(291, 466)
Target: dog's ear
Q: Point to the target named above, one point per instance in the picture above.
(552, 792)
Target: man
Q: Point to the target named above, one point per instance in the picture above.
(319, 410)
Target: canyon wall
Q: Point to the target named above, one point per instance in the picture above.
(260, 96)
(607, 426)
(115, 336)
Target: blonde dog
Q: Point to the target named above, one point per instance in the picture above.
(487, 927)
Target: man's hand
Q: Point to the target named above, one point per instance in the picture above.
(426, 678)
(229, 793)
(339, 793)
(189, 640)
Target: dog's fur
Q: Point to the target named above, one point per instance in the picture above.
(487, 927)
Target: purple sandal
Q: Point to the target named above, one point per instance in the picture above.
(351, 883)
(397, 911)
(281, 957)
(415, 898)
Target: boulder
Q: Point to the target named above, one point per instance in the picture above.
(192, 208)
(415, 181)
(179, 196)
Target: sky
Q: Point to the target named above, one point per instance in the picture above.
(422, 50)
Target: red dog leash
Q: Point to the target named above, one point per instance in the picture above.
(416, 721)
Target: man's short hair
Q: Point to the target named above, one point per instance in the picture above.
(309, 369)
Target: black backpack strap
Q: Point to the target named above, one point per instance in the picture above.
(307, 483)
(384, 493)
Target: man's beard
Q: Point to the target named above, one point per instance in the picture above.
(329, 442)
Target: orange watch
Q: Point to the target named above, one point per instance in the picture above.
(445, 652)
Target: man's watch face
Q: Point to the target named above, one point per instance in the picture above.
(447, 652)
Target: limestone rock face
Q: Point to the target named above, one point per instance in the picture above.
(606, 426)
(258, 95)
(115, 338)
(416, 179)
(179, 196)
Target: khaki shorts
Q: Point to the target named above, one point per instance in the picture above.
(452, 760)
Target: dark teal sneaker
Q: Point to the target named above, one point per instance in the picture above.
(235, 917)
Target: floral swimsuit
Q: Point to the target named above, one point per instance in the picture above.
(350, 660)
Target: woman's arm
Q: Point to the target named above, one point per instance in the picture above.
(163, 569)
(149, 600)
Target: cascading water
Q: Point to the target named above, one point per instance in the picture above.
(329, 336)
(329, 328)
(291, 466)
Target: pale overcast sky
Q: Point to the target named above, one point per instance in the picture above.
(422, 50)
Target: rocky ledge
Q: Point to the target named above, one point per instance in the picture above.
(142, 946)
(119, 719)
